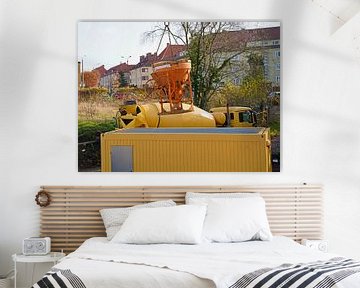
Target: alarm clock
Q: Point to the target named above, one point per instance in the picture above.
(320, 245)
(36, 246)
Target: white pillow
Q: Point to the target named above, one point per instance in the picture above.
(236, 220)
(180, 224)
(113, 218)
(203, 198)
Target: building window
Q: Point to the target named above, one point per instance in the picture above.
(144, 78)
(277, 53)
(277, 79)
(277, 66)
(275, 42)
(144, 70)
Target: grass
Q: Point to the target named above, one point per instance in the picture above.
(97, 110)
(100, 106)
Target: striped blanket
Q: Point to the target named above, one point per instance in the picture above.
(59, 278)
(320, 274)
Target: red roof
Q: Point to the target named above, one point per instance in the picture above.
(171, 52)
(121, 68)
(101, 69)
(230, 40)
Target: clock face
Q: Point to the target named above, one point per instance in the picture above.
(29, 245)
(40, 245)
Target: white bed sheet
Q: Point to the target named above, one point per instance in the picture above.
(100, 263)
(111, 274)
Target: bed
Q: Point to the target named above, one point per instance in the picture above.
(99, 263)
(294, 211)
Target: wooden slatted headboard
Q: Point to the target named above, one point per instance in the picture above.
(73, 215)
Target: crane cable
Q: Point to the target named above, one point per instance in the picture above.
(166, 29)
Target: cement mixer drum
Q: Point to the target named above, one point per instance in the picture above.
(172, 81)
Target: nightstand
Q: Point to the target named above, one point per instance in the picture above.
(53, 257)
(320, 245)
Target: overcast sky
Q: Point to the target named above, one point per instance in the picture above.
(111, 43)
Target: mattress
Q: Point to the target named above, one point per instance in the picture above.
(99, 263)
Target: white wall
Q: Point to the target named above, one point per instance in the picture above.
(320, 106)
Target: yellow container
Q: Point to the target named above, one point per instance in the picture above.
(186, 150)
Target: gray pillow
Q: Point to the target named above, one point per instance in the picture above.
(113, 218)
(203, 198)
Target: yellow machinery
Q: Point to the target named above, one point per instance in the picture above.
(175, 135)
(234, 116)
(171, 82)
(154, 115)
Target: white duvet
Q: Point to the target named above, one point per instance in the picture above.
(100, 263)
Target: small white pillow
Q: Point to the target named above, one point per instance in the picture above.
(204, 198)
(180, 224)
(113, 218)
(236, 220)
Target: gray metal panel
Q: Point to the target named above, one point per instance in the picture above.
(197, 130)
(121, 159)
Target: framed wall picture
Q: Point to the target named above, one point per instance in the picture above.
(179, 96)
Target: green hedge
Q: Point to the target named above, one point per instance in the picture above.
(89, 153)
(90, 130)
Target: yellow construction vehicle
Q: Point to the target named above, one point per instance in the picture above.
(132, 115)
(234, 116)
